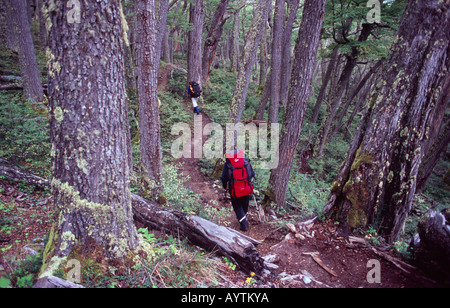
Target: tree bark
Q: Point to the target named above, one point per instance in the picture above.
(27, 56)
(286, 50)
(147, 62)
(234, 57)
(275, 71)
(249, 56)
(330, 68)
(378, 180)
(196, 15)
(88, 109)
(213, 38)
(300, 90)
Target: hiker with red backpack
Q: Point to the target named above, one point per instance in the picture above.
(237, 178)
(194, 92)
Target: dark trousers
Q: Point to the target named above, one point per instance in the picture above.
(240, 206)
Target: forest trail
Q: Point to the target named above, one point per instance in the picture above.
(296, 266)
(322, 260)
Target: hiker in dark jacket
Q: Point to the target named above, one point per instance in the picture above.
(237, 177)
(194, 92)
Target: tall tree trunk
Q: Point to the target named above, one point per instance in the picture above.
(213, 38)
(234, 57)
(88, 132)
(161, 27)
(42, 30)
(275, 71)
(263, 63)
(249, 56)
(10, 36)
(378, 179)
(196, 16)
(300, 90)
(286, 50)
(147, 64)
(330, 68)
(27, 56)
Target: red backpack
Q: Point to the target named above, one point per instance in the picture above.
(239, 183)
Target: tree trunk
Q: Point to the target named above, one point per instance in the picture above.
(286, 50)
(300, 90)
(88, 109)
(234, 57)
(147, 63)
(27, 56)
(331, 66)
(249, 56)
(42, 30)
(161, 28)
(213, 38)
(275, 71)
(196, 15)
(10, 36)
(378, 179)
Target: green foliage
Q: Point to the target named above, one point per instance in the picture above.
(308, 193)
(218, 95)
(23, 273)
(176, 193)
(337, 16)
(24, 134)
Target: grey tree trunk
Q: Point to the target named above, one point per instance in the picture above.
(234, 57)
(88, 132)
(196, 16)
(325, 81)
(147, 63)
(213, 38)
(286, 50)
(249, 56)
(27, 56)
(300, 90)
(275, 71)
(378, 180)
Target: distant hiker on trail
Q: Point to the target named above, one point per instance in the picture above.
(194, 91)
(237, 178)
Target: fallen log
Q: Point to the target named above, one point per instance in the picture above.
(52, 282)
(239, 248)
(18, 87)
(16, 174)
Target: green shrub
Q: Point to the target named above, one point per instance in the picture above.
(24, 131)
